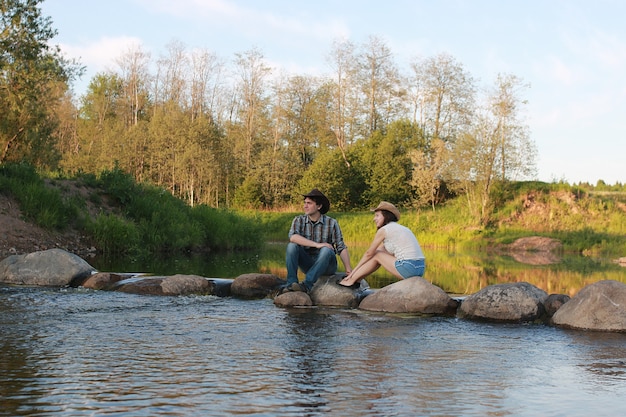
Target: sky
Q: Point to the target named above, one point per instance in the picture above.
(572, 53)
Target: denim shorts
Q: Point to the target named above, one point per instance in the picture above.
(411, 267)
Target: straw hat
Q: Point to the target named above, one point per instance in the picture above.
(320, 198)
(388, 207)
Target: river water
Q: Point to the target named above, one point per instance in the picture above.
(77, 352)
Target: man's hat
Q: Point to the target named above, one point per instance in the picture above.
(388, 207)
(319, 198)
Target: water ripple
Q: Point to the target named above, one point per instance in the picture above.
(82, 353)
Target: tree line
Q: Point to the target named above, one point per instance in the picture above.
(238, 133)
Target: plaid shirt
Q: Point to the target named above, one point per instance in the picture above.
(325, 229)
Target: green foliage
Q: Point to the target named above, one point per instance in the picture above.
(114, 234)
(33, 79)
(227, 229)
(274, 226)
(119, 185)
(582, 221)
(249, 195)
(39, 203)
(588, 225)
(165, 223)
(342, 184)
(386, 166)
(151, 219)
(44, 206)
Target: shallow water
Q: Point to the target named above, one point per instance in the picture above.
(76, 352)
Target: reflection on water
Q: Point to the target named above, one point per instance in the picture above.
(75, 352)
(456, 272)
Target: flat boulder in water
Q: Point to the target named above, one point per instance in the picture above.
(167, 285)
(600, 306)
(413, 295)
(514, 302)
(52, 267)
(255, 285)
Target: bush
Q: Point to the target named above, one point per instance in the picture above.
(228, 230)
(114, 234)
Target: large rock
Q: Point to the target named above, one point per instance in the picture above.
(599, 306)
(515, 302)
(326, 292)
(413, 295)
(52, 267)
(293, 299)
(255, 285)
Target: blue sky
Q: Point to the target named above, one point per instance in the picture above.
(571, 52)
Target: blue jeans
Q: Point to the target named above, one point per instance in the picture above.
(411, 268)
(325, 263)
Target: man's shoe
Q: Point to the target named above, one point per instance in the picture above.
(296, 286)
(284, 288)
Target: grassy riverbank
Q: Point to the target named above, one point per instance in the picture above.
(585, 222)
(120, 215)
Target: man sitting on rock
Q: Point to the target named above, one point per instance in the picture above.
(314, 241)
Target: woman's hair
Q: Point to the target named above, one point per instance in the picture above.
(388, 216)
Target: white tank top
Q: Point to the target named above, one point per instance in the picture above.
(401, 242)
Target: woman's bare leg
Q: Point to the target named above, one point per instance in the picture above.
(363, 271)
(388, 261)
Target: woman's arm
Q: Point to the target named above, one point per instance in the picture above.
(371, 251)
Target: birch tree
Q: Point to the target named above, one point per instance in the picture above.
(379, 79)
(496, 148)
(251, 73)
(345, 99)
(443, 95)
(517, 153)
(134, 72)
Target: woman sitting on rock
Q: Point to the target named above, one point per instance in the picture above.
(395, 247)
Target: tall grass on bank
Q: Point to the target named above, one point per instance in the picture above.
(38, 203)
(140, 218)
(143, 218)
(443, 228)
(584, 223)
(165, 223)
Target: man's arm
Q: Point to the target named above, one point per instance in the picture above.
(303, 241)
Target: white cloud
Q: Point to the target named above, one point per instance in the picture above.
(607, 50)
(554, 69)
(254, 21)
(99, 55)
